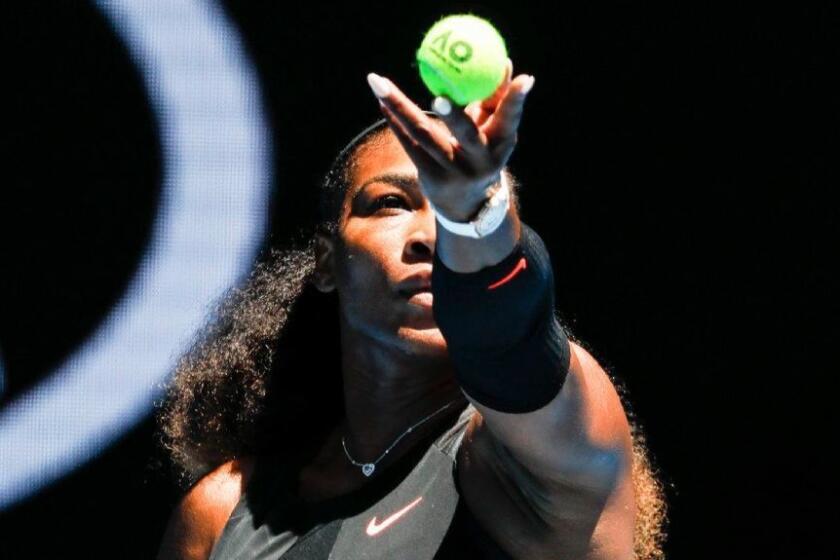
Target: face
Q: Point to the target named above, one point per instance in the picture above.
(385, 251)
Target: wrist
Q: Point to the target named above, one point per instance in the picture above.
(466, 254)
(469, 210)
(486, 219)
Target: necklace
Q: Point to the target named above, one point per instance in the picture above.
(368, 468)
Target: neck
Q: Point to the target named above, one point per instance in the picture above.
(386, 392)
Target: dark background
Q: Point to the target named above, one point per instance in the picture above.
(675, 161)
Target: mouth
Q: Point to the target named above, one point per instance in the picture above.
(421, 298)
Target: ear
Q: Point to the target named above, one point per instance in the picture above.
(323, 278)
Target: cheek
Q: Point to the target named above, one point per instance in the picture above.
(369, 256)
(364, 280)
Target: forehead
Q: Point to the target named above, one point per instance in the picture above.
(384, 154)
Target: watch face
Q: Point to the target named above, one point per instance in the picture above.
(484, 226)
(493, 214)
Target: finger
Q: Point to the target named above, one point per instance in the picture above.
(501, 129)
(474, 111)
(487, 107)
(422, 160)
(463, 128)
(415, 123)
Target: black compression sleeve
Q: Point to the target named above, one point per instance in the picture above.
(508, 349)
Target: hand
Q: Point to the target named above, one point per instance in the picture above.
(455, 167)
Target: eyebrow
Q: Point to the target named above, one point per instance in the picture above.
(401, 180)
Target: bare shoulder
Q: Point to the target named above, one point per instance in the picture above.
(200, 516)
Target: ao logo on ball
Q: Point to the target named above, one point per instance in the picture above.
(211, 222)
(459, 51)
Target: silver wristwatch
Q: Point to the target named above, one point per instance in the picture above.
(489, 218)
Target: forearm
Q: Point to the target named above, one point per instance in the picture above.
(508, 349)
(510, 353)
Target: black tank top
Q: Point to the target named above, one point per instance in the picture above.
(412, 511)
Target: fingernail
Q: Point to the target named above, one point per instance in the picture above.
(528, 85)
(379, 86)
(441, 106)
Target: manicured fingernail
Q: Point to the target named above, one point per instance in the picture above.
(379, 86)
(528, 85)
(442, 106)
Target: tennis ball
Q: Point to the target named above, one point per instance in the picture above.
(462, 57)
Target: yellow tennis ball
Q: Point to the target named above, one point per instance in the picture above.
(462, 57)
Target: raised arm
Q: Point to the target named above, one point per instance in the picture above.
(546, 468)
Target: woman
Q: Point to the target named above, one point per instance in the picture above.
(470, 425)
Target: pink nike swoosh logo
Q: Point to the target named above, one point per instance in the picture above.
(374, 529)
(521, 265)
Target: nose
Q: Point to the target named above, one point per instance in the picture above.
(421, 241)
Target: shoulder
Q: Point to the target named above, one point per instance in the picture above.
(203, 511)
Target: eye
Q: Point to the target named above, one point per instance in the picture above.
(389, 201)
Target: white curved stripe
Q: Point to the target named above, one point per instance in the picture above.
(210, 224)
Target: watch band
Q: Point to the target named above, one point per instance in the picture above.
(489, 218)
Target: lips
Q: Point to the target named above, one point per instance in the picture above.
(421, 298)
(421, 282)
(417, 290)
(407, 292)
(421, 295)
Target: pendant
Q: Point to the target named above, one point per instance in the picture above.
(367, 469)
